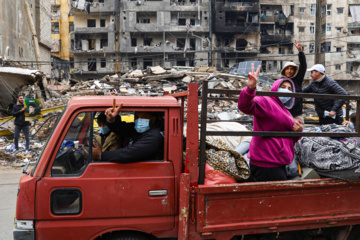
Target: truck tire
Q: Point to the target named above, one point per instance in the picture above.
(355, 233)
(127, 236)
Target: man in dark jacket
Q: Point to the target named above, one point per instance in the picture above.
(20, 124)
(328, 110)
(142, 140)
(296, 73)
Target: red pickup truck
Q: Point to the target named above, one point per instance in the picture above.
(66, 195)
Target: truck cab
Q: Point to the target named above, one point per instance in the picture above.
(73, 197)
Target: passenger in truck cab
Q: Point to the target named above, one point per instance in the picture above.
(269, 155)
(142, 139)
(107, 140)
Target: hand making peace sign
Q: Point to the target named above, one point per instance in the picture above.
(253, 76)
(298, 46)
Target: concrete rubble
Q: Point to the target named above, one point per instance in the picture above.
(154, 81)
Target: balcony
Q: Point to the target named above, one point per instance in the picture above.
(107, 6)
(92, 30)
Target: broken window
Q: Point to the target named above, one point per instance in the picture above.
(182, 21)
(102, 22)
(103, 43)
(91, 23)
(133, 42)
(326, 10)
(103, 62)
(311, 47)
(91, 64)
(253, 18)
(192, 44)
(146, 17)
(147, 41)
(328, 28)
(55, 28)
(181, 62)
(281, 50)
(312, 28)
(312, 9)
(325, 47)
(241, 44)
(180, 43)
(133, 62)
(235, 18)
(147, 62)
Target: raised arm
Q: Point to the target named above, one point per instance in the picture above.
(246, 102)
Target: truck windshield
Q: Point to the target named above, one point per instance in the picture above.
(47, 140)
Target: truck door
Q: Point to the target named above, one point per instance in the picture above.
(79, 199)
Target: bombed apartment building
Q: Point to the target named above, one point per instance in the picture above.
(339, 38)
(164, 32)
(236, 35)
(93, 38)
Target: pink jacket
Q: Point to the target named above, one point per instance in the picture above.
(270, 114)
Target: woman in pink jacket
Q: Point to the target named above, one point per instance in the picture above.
(268, 155)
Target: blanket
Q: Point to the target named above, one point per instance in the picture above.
(330, 157)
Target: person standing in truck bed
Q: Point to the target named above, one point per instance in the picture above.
(296, 73)
(268, 155)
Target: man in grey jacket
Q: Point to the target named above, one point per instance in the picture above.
(328, 110)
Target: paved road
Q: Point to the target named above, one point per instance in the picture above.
(9, 181)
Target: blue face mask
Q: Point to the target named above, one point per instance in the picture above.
(141, 125)
(351, 125)
(284, 99)
(104, 130)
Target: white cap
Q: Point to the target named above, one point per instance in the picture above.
(317, 67)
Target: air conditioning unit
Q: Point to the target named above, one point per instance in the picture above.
(345, 30)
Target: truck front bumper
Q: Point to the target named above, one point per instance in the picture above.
(24, 234)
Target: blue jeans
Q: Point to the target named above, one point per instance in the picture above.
(26, 131)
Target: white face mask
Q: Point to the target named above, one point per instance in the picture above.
(284, 99)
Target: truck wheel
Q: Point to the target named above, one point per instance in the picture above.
(127, 236)
(355, 233)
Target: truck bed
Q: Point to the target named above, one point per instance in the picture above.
(251, 208)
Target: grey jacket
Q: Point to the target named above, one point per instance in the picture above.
(327, 86)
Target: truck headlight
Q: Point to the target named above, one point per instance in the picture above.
(24, 224)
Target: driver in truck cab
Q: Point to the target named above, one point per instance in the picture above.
(142, 139)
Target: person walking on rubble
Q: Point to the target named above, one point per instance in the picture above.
(269, 155)
(328, 110)
(20, 124)
(296, 73)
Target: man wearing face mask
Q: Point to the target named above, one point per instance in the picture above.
(328, 110)
(142, 140)
(107, 140)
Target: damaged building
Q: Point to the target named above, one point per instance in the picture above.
(164, 32)
(93, 38)
(236, 34)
